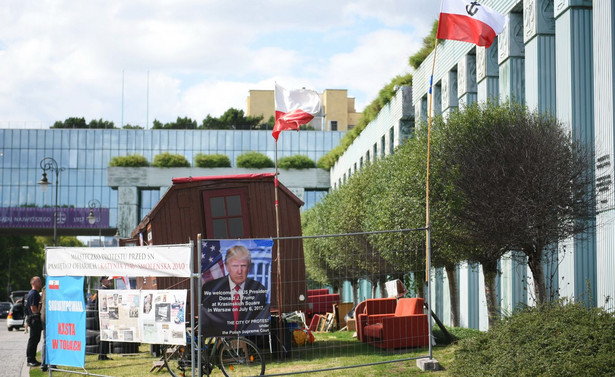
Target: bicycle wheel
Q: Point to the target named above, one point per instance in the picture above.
(177, 360)
(240, 357)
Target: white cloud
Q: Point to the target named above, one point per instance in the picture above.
(65, 58)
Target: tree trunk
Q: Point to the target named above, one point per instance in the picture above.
(383, 289)
(534, 261)
(451, 273)
(355, 291)
(490, 271)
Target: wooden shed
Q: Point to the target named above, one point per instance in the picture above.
(230, 207)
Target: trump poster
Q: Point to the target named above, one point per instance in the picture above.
(236, 291)
(65, 321)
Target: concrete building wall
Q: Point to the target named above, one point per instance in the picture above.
(554, 56)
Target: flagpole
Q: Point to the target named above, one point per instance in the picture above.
(278, 259)
(427, 213)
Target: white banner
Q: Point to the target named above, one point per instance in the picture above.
(170, 260)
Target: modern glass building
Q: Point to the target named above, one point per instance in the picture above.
(83, 156)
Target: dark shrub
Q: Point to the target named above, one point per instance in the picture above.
(212, 161)
(296, 162)
(169, 160)
(554, 339)
(254, 160)
(130, 161)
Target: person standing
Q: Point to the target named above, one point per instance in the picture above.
(33, 319)
(103, 347)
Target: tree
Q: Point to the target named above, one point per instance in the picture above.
(236, 120)
(212, 123)
(27, 256)
(100, 123)
(131, 127)
(180, 124)
(72, 122)
(518, 181)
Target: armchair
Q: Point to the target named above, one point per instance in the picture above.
(406, 327)
(372, 308)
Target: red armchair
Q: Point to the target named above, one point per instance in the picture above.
(373, 307)
(406, 327)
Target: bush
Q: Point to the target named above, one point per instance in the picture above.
(254, 160)
(130, 161)
(168, 160)
(212, 161)
(296, 162)
(555, 339)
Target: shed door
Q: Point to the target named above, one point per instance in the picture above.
(226, 213)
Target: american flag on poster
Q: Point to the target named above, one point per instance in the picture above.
(212, 264)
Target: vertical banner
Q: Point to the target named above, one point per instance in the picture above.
(236, 287)
(65, 321)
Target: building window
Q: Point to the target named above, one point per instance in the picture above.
(382, 146)
(391, 140)
(226, 213)
(361, 163)
(375, 150)
(367, 157)
(333, 125)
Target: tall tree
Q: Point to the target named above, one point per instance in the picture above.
(519, 180)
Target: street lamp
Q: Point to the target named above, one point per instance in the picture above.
(95, 204)
(49, 163)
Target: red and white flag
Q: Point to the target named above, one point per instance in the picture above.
(469, 21)
(294, 108)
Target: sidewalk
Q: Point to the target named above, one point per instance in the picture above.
(25, 369)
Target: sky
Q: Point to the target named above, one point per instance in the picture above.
(133, 61)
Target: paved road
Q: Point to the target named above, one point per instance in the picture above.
(12, 352)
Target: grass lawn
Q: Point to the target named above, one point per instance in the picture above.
(330, 350)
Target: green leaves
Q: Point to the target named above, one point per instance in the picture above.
(254, 160)
(217, 160)
(296, 162)
(553, 339)
(130, 161)
(170, 160)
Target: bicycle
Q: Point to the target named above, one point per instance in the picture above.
(236, 356)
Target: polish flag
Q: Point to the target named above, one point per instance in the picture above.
(54, 284)
(469, 21)
(294, 108)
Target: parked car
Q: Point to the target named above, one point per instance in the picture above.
(4, 309)
(17, 314)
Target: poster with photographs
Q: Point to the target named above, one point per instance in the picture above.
(163, 316)
(119, 315)
(145, 316)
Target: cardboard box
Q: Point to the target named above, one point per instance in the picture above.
(352, 325)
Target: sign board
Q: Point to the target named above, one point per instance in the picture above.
(169, 261)
(65, 321)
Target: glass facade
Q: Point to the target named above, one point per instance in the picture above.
(85, 155)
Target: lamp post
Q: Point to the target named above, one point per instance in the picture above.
(49, 163)
(95, 204)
